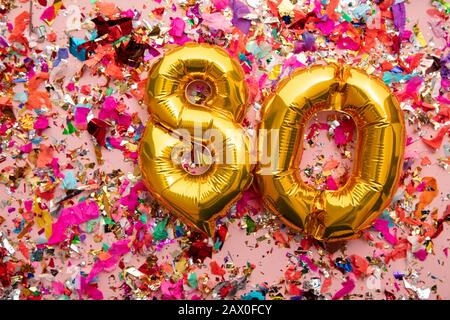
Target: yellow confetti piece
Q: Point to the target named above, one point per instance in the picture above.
(180, 265)
(419, 36)
(132, 147)
(429, 247)
(43, 219)
(275, 73)
(26, 121)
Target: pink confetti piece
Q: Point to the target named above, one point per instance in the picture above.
(172, 290)
(308, 261)
(177, 27)
(421, 254)
(90, 290)
(220, 4)
(326, 27)
(27, 148)
(331, 184)
(41, 123)
(347, 43)
(49, 14)
(347, 287)
(81, 114)
(217, 21)
(58, 287)
(131, 200)
(75, 215)
(382, 226)
(117, 250)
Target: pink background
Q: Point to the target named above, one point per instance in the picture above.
(270, 259)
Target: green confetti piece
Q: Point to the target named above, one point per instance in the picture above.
(192, 280)
(143, 218)
(76, 240)
(275, 33)
(346, 17)
(160, 233)
(70, 128)
(90, 225)
(108, 221)
(109, 91)
(217, 245)
(120, 40)
(444, 4)
(251, 226)
(105, 247)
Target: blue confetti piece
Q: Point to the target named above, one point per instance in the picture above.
(397, 69)
(387, 217)
(74, 43)
(344, 264)
(179, 232)
(36, 140)
(391, 77)
(20, 80)
(253, 295)
(70, 181)
(360, 11)
(22, 97)
(63, 53)
(20, 227)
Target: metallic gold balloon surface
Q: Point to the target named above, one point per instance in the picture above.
(198, 198)
(341, 214)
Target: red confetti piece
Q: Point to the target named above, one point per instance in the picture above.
(436, 142)
(97, 128)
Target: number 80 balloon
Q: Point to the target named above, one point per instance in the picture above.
(201, 197)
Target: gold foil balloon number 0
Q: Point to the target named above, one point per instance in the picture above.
(197, 98)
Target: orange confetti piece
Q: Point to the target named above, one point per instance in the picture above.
(431, 190)
(331, 10)
(114, 71)
(103, 256)
(45, 155)
(331, 164)
(425, 161)
(279, 237)
(108, 9)
(38, 98)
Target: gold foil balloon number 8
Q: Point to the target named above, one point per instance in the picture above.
(194, 156)
(196, 159)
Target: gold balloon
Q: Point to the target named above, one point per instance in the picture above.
(341, 214)
(196, 87)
